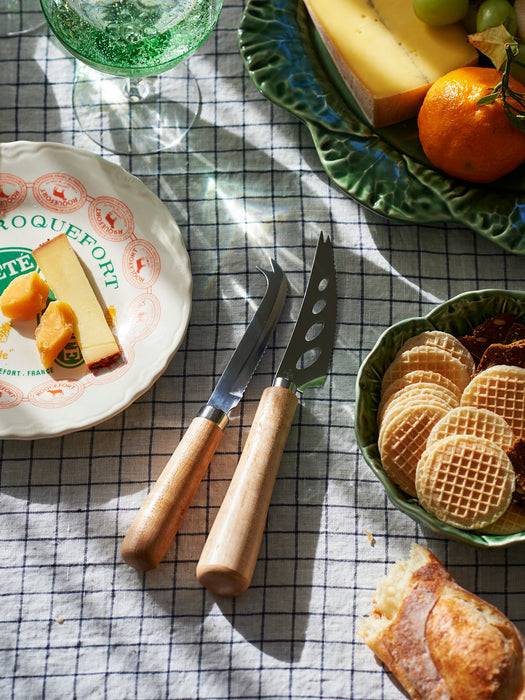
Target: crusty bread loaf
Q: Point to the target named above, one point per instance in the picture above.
(439, 640)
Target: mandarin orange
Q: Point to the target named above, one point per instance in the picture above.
(465, 140)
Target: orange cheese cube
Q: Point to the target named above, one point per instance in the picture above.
(24, 297)
(54, 331)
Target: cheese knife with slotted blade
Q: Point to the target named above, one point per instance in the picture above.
(230, 553)
(158, 520)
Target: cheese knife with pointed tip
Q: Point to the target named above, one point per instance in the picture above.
(158, 520)
(230, 553)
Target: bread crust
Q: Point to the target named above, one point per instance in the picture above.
(443, 642)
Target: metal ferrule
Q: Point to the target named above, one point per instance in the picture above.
(284, 383)
(215, 415)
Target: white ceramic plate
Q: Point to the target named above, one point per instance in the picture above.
(135, 257)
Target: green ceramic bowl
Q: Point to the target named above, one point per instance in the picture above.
(458, 316)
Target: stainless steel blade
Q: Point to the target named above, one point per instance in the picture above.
(309, 351)
(244, 361)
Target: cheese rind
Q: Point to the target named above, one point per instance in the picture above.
(66, 277)
(387, 57)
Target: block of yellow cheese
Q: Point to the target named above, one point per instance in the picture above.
(66, 277)
(54, 331)
(387, 57)
(24, 297)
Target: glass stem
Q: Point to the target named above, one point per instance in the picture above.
(137, 89)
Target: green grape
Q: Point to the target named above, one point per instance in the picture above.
(470, 19)
(440, 12)
(492, 13)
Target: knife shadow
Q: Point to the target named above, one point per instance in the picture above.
(274, 612)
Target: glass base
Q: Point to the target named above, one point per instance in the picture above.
(19, 17)
(136, 115)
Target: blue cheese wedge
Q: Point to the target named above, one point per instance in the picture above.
(65, 275)
(387, 57)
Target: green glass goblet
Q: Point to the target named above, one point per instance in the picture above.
(133, 92)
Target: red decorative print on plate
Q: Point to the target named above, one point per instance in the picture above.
(55, 394)
(10, 396)
(59, 192)
(111, 218)
(141, 264)
(13, 191)
(142, 317)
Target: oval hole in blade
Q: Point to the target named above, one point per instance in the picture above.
(314, 331)
(323, 284)
(308, 358)
(318, 306)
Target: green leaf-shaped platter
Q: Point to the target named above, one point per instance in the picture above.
(385, 170)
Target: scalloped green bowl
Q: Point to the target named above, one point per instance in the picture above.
(458, 316)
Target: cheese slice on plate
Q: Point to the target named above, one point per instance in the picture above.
(54, 331)
(387, 57)
(65, 275)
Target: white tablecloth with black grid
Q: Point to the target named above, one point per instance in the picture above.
(75, 620)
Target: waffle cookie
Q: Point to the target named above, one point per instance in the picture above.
(433, 394)
(419, 376)
(465, 481)
(422, 392)
(427, 358)
(470, 420)
(510, 523)
(402, 441)
(513, 519)
(444, 341)
(500, 389)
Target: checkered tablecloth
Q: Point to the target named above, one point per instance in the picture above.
(75, 620)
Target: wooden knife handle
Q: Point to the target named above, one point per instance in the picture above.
(158, 520)
(230, 553)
